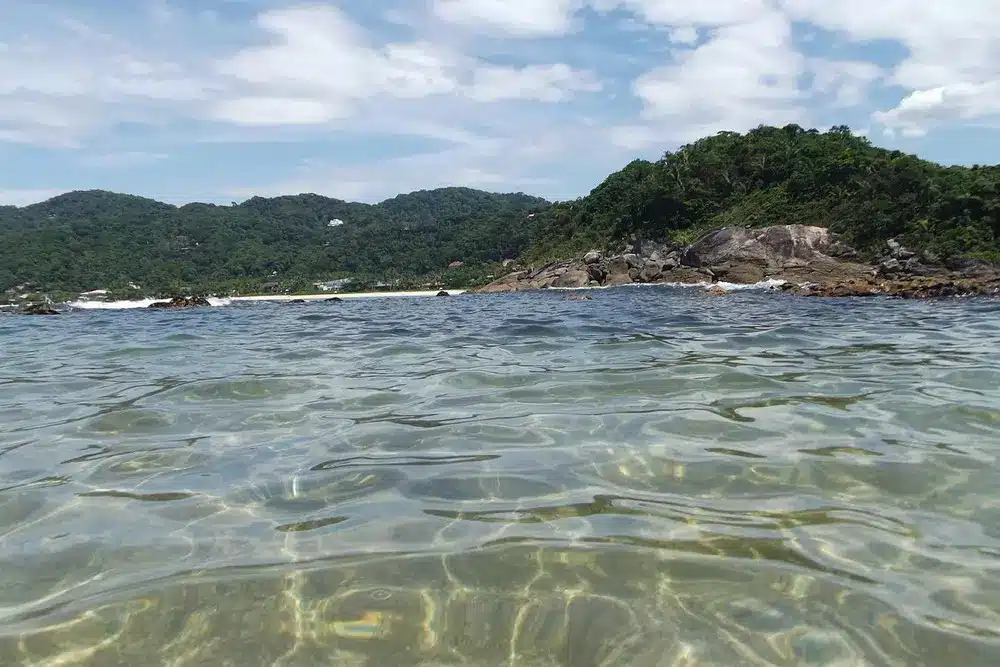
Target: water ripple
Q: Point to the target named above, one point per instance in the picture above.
(650, 478)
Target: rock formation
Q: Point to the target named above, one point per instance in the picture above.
(39, 309)
(810, 260)
(181, 302)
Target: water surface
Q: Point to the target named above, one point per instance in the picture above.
(654, 478)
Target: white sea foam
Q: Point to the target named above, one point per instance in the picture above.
(127, 305)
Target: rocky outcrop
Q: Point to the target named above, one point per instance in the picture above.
(904, 288)
(766, 246)
(181, 302)
(745, 255)
(810, 260)
(39, 309)
(637, 263)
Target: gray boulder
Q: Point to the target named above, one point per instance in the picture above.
(572, 277)
(769, 246)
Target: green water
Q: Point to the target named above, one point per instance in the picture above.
(652, 478)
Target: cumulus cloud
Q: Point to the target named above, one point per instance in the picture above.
(70, 80)
(519, 18)
(746, 74)
(319, 64)
(957, 102)
(545, 83)
(700, 13)
(848, 81)
(953, 53)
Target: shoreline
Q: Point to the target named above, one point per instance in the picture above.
(253, 298)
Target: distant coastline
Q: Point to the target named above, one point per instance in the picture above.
(90, 304)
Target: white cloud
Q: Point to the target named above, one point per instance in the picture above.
(545, 83)
(849, 81)
(684, 35)
(744, 75)
(320, 66)
(319, 63)
(698, 13)
(958, 102)
(277, 111)
(517, 18)
(66, 80)
(953, 53)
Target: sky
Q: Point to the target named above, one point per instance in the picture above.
(218, 101)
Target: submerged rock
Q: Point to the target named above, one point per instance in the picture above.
(443, 293)
(336, 298)
(580, 297)
(182, 302)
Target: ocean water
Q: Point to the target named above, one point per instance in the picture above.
(653, 478)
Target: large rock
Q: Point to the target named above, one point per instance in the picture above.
(807, 258)
(772, 247)
(39, 309)
(573, 277)
(181, 302)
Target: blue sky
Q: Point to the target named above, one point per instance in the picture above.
(187, 100)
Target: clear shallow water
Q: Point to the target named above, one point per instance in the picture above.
(652, 478)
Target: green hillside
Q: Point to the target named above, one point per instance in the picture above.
(86, 240)
(781, 176)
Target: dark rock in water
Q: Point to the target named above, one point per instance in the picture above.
(182, 302)
(297, 301)
(580, 297)
(336, 298)
(39, 309)
(442, 293)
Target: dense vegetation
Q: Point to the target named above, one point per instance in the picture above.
(86, 240)
(782, 176)
(96, 239)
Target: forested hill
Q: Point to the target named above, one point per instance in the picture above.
(785, 175)
(96, 239)
(770, 175)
